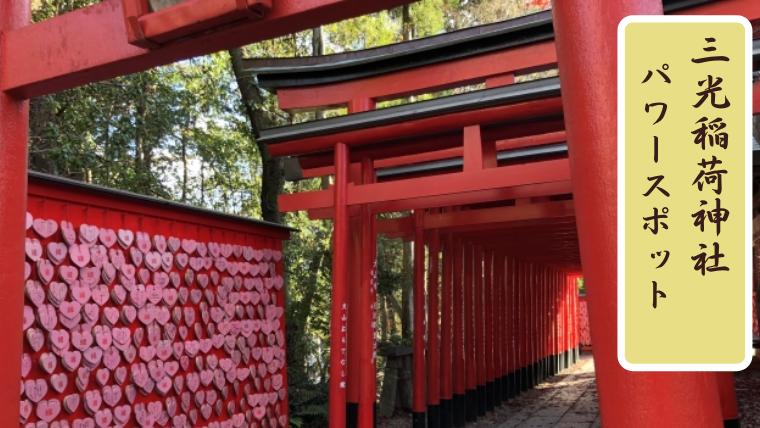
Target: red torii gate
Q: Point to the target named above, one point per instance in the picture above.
(90, 44)
(398, 138)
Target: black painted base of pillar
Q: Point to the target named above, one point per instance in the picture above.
(523, 379)
(731, 423)
(530, 378)
(352, 415)
(471, 405)
(553, 364)
(418, 419)
(544, 369)
(374, 415)
(490, 396)
(434, 415)
(447, 413)
(481, 400)
(513, 387)
(539, 371)
(534, 368)
(498, 390)
(566, 359)
(547, 370)
(458, 410)
(504, 388)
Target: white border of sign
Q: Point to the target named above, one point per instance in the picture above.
(621, 193)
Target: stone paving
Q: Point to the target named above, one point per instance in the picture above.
(568, 400)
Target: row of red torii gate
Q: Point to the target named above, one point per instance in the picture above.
(512, 187)
(494, 201)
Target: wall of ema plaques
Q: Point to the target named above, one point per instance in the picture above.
(142, 315)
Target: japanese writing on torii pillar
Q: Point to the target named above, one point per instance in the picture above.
(343, 355)
(373, 308)
(711, 135)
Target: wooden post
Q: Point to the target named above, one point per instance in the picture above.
(433, 373)
(447, 405)
(418, 405)
(458, 359)
(339, 308)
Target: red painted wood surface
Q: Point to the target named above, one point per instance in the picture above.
(510, 345)
(522, 308)
(504, 133)
(488, 313)
(480, 353)
(90, 206)
(446, 185)
(458, 299)
(433, 346)
(418, 401)
(339, 305)
(727, 392)
(421, 127)
(498, 314)
(587, 55)
(447, 283)
(14, 116)
(454, 152)
(50, 64)
(368, 317)
(562, 187)
(354, 327)
(470, 337)
(421, 80)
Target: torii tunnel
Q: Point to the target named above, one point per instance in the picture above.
(501, 182)
(513, 187)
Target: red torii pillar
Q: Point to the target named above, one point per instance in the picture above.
(447, 409)
(498, 328)
(586, 38)
(458, 358)
(471, 393)
(367, 313)
(531, 299)
(480, 353)
(489, 318)
(418, 398)
(433, 374)
(511, 348)
(354, 328)
(339, 306)
(728, 404)
(521, 305)
(13, 162)
(362, 245)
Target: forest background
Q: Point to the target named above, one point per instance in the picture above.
(187, 132)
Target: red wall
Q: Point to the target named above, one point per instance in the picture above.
(62, 201)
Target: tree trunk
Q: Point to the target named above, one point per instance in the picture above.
(382, 318)
(184, 167)
(392, 326)
(406, 292)
(41, 113)
(406, 24)
(272, 179)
